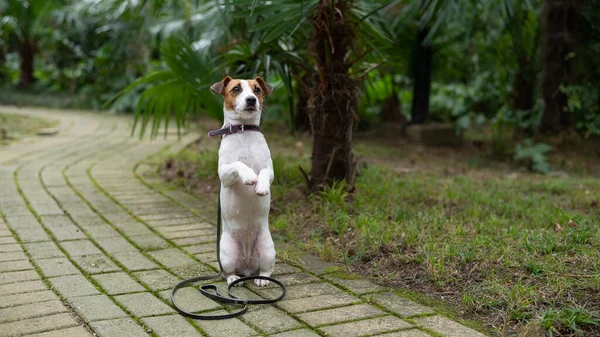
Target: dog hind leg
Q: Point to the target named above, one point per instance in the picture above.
(228, 255)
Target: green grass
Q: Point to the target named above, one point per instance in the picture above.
(517, 250)
(14, 127)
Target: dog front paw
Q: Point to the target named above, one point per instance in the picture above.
(247, 176)
(261, 189)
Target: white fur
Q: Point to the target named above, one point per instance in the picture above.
(246, 173)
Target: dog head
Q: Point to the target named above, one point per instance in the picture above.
(243, 98)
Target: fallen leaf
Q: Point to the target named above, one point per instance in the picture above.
(572, 223)
(595, 203)
(558, 227)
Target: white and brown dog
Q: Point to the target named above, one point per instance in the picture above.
(246, 173)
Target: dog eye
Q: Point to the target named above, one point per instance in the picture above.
(236, 89)
(257, 90)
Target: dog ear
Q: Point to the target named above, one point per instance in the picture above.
(218, 87)
(264, 85)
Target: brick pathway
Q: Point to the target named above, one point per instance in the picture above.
(89, 244)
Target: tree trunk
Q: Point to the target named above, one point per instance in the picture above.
(301, 119)
(559, 23)
(422, 79)
(333, 101)
(26, 53)
(391, 110)
(523, 91)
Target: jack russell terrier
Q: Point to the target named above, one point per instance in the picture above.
(246, 173)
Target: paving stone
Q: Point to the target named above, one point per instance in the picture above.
(86, 218)
(447, 327)
(31, 310)
(58, 266)
(297, 333)
(96, 308)
(117, 283)
(26, 221)
(284, 268)
(143, 304)
(315, 264)
(366, 327)
(43, 250)
(80, 247)
(134, 228)
(118, 217)
(73, 286)
(189, 234)
(206, 257)
(25, 298)
(118, 328)
(32, 234)
(269, 319)
(301, 291)
(400, 305)
(195, 240)
(18, 276)
(234, 327)
(298, 278)
(194, 270)
(171, 326)
(49, 208)
(15, 266)
(10, 248)
(62, 227)
(7, 240)
(200, 249)
(102, 231)
(165, 216)
(171, 258)
(13, 256)
(356, 285)
(343, 314)
(22, 287)
(316, 303)
(77, 331)
(40, 324)
(116, 245)
(150, 242)
(406, 333)
(134, 261)
(157, 279)
(190, 299)
(15, 210)
(95, 263)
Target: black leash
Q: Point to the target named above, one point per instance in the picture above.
(211, 291)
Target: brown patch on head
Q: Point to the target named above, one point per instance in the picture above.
(230, 88)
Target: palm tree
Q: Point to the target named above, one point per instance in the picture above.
(24, 20)
(340, 34)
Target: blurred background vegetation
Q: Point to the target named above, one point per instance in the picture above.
(512, 67)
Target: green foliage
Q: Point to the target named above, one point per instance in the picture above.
(584, 103)
(572, 318)
(534, 154)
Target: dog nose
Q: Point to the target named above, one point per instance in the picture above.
(250, 100)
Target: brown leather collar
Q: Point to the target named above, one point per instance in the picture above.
(231, 129)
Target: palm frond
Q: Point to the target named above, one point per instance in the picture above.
(178, 92)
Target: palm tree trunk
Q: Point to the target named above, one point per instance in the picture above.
(559, 24)
(26, 53)
(422, 79)
(333, 101)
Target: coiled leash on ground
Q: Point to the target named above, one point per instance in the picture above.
(211, 291)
